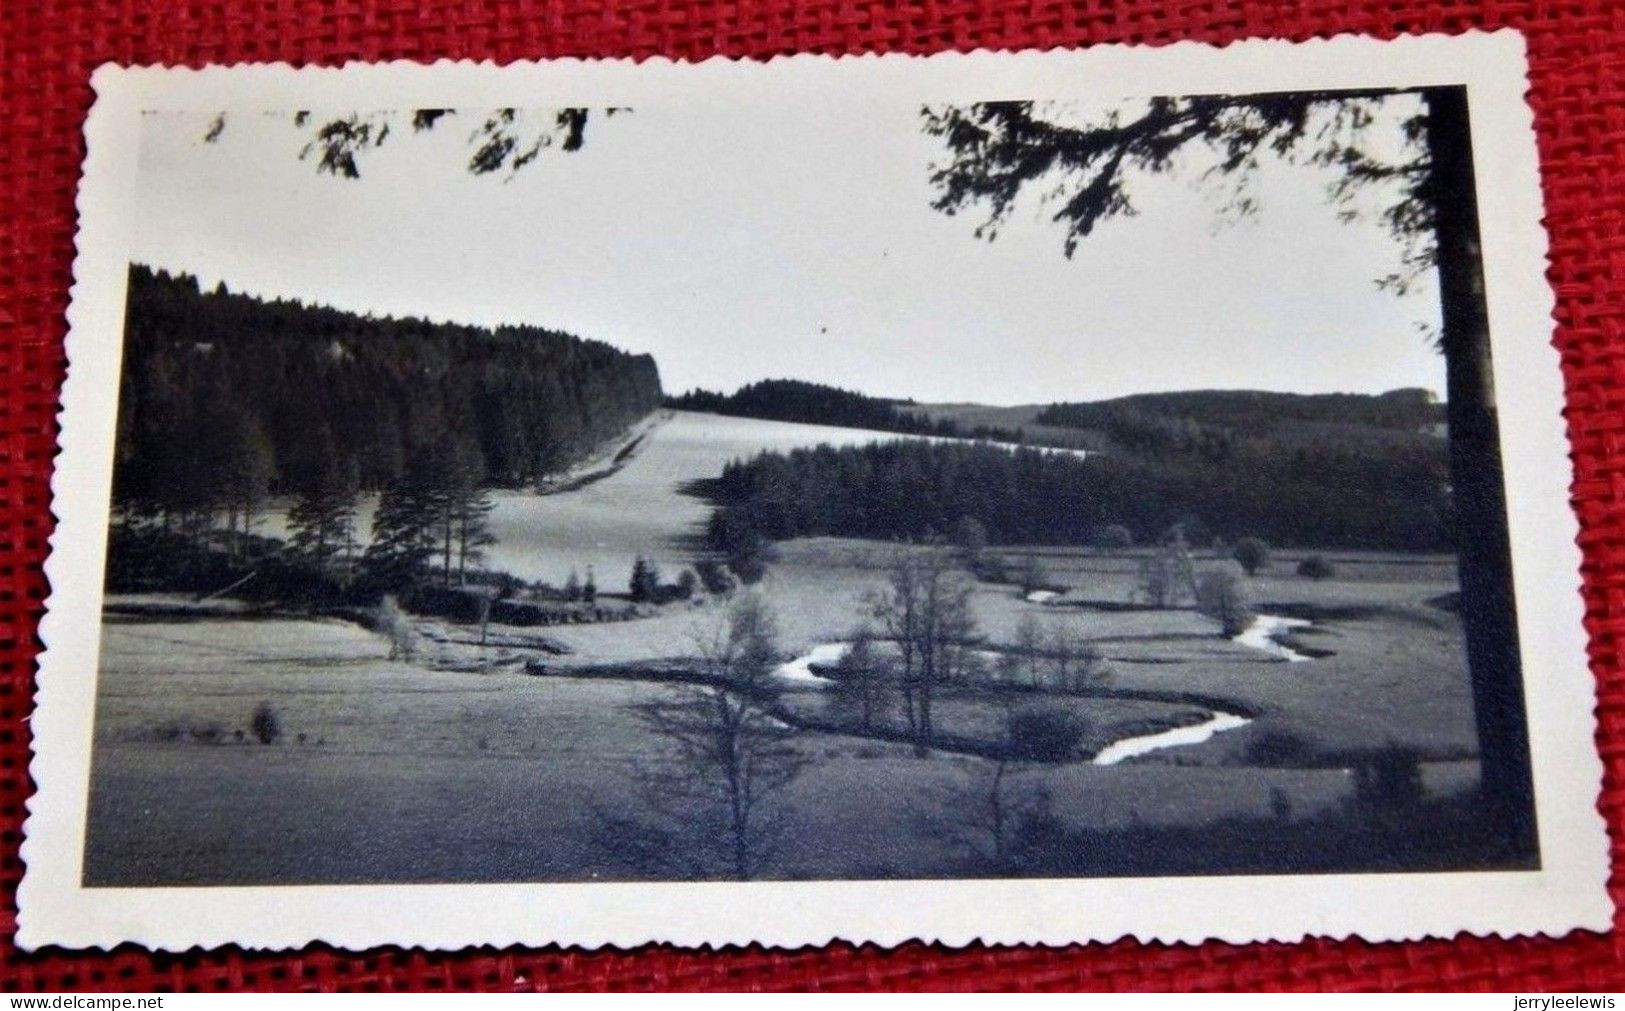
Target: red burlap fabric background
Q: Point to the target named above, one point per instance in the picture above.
(47, 51)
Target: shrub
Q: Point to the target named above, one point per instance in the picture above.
(1391, 777)
(1317, 568)
(1044, 733)
(990, 568)
(1166, 576)
(1221, 594)
(392, 623)
(748, 559)
(645, 582)
(1032, 575)
(1280, 804)
(1114, 537)
(714, 577)
(1280, 749)
(454, 603)
(1190, 532)
(667, 593)
(267, 728)
(1252, 553)
(970, 536)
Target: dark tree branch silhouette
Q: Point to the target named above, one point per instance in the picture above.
(504, 139)
(1085, 171)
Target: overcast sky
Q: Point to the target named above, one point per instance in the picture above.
(740, 246)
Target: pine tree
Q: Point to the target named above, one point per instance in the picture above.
(322, 521)
(473, 532)
(645, 582)
(405, 528)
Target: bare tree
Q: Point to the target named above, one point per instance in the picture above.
(926, 611)
(862, 676)
(1029, 647)
(993, 814)
(709, 795)
(989, 812)
(896, 610)
(1167, 575)
(1072, 660)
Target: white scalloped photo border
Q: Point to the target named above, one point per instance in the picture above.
(1567, 892)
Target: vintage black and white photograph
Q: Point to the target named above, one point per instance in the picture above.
(1074, 486)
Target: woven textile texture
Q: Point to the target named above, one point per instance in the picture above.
(48, 49)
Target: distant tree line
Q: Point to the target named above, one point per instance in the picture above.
(1210, 422)
(819, 404)
(1329, 495)
(225, 398)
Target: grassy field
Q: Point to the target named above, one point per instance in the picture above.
(387, 770)
(458, 765)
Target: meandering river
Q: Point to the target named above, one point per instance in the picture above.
(1261, 635)
(1132, 747)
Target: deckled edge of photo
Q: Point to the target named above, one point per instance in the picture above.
(1569, 892)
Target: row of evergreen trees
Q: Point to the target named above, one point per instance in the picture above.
(430, 528)
(431, 518)
(1330, 496)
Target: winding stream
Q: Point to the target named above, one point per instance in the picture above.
(1132, 747)
(1262, 633)
(800, 670)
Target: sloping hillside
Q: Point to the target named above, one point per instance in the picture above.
(644, 507)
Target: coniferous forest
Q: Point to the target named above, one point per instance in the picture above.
(819, 404)
(1155, 424)
(229, 396)
(1329, 494)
